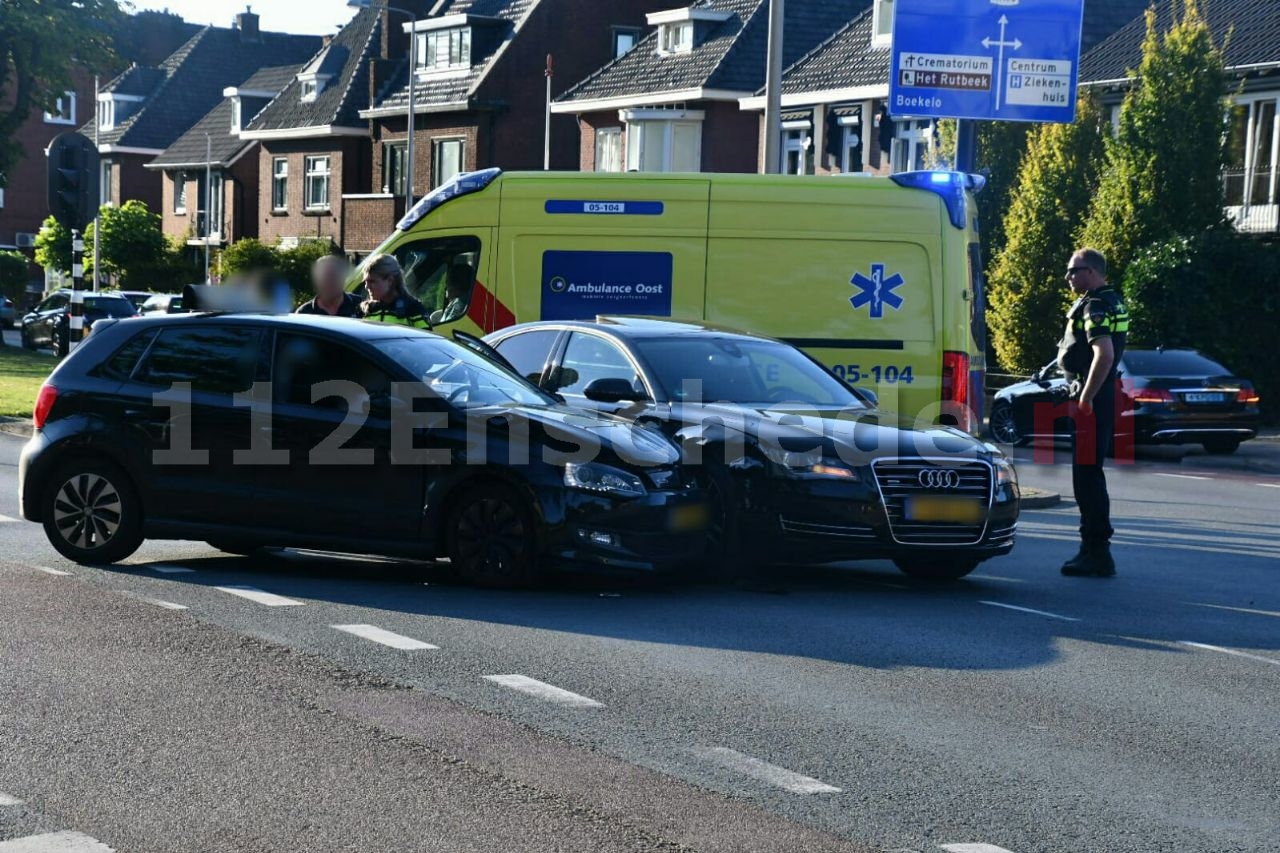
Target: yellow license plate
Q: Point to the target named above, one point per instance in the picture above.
(958, 510)
(686, 518)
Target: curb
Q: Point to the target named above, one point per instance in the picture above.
(21, 427)
(1039, 499)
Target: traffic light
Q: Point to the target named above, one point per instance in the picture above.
(73, 180)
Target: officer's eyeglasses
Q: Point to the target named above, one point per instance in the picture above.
(1075, 270)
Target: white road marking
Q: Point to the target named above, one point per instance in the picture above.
(167, 605)
(1183, 476)
(973, 848)
(261, 596)
(55, 842)
(6, 518)
(1233, 652)
(1269, 485)
(1029, 610)
(171, 570)
(779, 777)
(377, 635)
(998, 578)
(1237, 609)
(542, 690)
(55, 572)
(6, 800)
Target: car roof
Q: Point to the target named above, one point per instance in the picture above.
(637, 327)
(347, 327)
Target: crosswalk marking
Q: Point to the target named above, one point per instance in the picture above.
(55, 842)
(386, 638)
(55, 572)
(261, 596)
(1233, 652)
(167, 605)
(779, 777)
(6, 800)
(1029, 610)
(542, 690)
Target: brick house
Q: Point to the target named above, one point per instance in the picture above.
(313, 147)
(144, 110)
(835, 99)
(212, 154)
(480, 93)
(1249, 32)
(671, 103)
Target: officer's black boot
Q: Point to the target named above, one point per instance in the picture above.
(1078, 564)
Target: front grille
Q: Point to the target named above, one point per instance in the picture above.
(842, 531)
(899, 479)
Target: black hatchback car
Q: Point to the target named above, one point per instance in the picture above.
(1167, 396)
(48, 324)
(797, 466)
(342, 435)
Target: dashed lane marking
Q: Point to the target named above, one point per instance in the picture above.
(167, 605)
(779, 777)
(1183, 476)
(7, 518)
(55, 842)
(1029, 610)
(6, 800)
(386, 638)
(261, 596)
(1268, 485)
(171, 570)
(973, 848)
(542, 690)
(1232, 652)
(55, 572)
(1238, 609)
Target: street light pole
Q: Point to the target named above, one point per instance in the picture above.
(413, 74)
(208, 201)
(773, 90)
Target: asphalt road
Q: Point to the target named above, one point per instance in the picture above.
(847, 708)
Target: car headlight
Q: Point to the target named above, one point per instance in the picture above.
(1006, 474)
(809, 464)
(602, 479)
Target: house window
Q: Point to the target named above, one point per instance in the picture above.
(446, 160)
(912, 142)
(664, 146)
(609, 149)
(394, 163)
(104, 192)
(280, 183)
(441, 50)
(1, 198)
(114, 110)
(851, 149)
(106, 117)
(882, 23)
(316, 183)
(311, 88)
(676, 38)
(64, 112)
(180, 192)
(624, 40)
(797, 151)
(214, 228)
(1253, 153)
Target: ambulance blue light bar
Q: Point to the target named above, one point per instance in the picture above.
(951, 186)
(463, 183)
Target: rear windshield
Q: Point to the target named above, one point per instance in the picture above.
(1172, 363)
(112, 306)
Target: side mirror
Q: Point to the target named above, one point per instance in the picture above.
(611, 389)
(871, 398)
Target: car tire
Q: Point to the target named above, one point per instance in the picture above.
(1003, 426)
(935, 568)
(1221, 446)
(59, 341)
(91, 512)
(229, 546)
(493, 537)
(726, 559)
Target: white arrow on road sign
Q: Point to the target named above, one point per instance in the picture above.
(1016, 44)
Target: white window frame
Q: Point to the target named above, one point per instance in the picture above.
(618, 34)
(428, 49)
(312, 86)
(314, 171)
(644, 124)
(797, 138)
(108, 102)
(179, 193)
(851, 138)
(614, 137)
(280, 178)
(215, 202)
(67, 116)
(1252, 103)
(104, 185)
(676, 37)
(882, 9)
(437, 149)
(909, 135)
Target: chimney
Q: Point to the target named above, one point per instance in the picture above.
(247, 23)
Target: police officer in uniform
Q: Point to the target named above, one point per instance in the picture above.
(389, 301)
(1089, 353)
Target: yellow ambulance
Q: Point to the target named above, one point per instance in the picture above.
(877, 278)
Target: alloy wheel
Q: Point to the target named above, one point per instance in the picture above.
(87, 511)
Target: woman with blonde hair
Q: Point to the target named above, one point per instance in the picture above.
(389, 300)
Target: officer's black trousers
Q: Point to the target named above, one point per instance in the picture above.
(1092, 441)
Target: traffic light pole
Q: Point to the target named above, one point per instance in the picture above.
(76, 319)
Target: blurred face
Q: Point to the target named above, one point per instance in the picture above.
(380, 287)
(1081, 277)
(329, 283)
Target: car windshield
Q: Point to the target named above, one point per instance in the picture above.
(742, 371)
(460, 374)
(112, 306)
(1171, 363)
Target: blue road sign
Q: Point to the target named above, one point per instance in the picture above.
(1004, 60)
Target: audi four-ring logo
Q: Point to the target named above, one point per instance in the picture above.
(935, 478)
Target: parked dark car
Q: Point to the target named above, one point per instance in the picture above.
(434, 450)
(161, 303)
(1167, 396)
(137, 297)
(49, 323)
(797, 466)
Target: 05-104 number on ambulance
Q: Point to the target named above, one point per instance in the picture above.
(888, 374)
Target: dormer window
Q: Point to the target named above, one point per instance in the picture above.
(444, 50)
(312, 86)
(114, 110)
(882, 23)
(677, 38)
(680, 29)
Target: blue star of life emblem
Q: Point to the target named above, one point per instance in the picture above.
(877, 291)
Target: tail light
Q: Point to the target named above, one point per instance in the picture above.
(44, 403)
(1153, 395)
(955, 388)
(1248, 396)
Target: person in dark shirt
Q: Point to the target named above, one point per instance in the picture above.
(1089, 354)
(329, 278)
